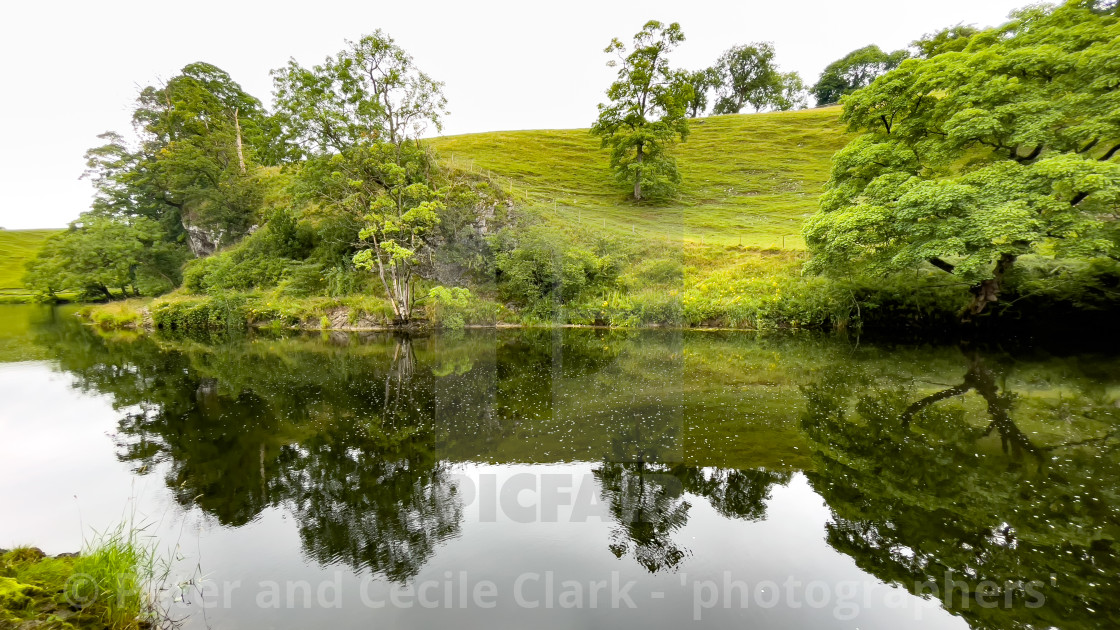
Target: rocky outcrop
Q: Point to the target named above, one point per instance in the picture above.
(201, 241)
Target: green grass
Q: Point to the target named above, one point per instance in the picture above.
(109, 585)
(747, 179)
(16, 248)
(748, 184)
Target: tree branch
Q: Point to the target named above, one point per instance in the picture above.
(913, 409)
(1092, 143)
(1023, 159)
(941, 264)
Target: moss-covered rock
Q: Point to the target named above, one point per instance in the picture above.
(15, 595)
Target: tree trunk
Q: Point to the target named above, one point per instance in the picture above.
(240, 152)
(987, 292)
(638, 175)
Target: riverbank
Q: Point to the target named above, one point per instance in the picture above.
(741, 289)
(103, 588)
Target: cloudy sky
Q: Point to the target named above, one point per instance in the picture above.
(71, 69)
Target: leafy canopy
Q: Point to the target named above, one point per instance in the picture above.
(951, 39)
(748, 75)
(647, 110)
(99, 255)
(194, 170)
(856, 70)
(1005, 148)
(369, 92)
(358, 117)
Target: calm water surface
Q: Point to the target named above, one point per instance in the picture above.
(574, 478)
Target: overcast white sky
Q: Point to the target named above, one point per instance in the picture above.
(71, 69)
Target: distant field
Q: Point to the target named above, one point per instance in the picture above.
(748, 178)
(16, 248)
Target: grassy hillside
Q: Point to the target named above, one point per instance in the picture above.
(749, 179)
(16, 248)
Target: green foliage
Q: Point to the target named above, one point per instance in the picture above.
(455, 307)
(194, 171)
(369, 90)
(115, 316)
(747, 75)
(252, 263)
(358, 117)
(971, 159)
(647, 111)
(858, 69)
(701, 82)
(99, 255)
(542, 271)
(290, 238)
(951, 39)
(219, 313)
(399, 218)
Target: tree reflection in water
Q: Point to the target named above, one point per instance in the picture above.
(918, 500)
(355, 441)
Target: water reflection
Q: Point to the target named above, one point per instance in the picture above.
(936, 464)
(1022, 535)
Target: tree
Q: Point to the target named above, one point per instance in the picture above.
(853, 71)
(968, 160)
(952, 39)
(701, 81)
(358, 117)
(194, 169)
(748, 76)
(647, 111)
(792, 93)
(399, 218)
(99, 254)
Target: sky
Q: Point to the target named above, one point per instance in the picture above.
(71, 70)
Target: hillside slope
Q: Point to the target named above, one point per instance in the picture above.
(16, 248)
(748, 178)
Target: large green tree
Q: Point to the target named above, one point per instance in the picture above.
(968, 160)
(702, 82)
(357, 117)
(100, 255)
(748, 75)
(647, 110)
(194, 169)
(853, 71)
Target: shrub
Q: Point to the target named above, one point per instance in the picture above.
(455, 307)
(543, 271)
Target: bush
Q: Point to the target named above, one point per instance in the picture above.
(543, 271)
(454, 308)
(215, 313)
(250, 264)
